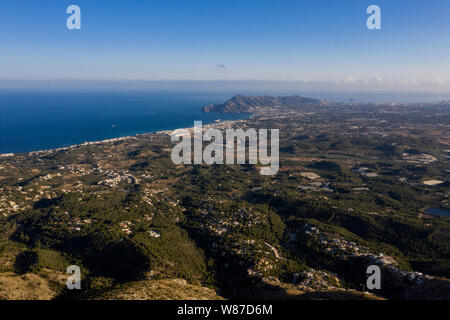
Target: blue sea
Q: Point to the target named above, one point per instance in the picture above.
(32, 120)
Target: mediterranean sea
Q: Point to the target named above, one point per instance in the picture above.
(32, 120)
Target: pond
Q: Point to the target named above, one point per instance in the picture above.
(439, 212)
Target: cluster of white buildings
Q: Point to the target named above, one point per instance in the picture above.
(351, 249)
(365, 172)
(114, 179)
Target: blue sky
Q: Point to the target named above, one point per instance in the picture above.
(318, 42)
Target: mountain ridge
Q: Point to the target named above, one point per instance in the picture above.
(251, 104)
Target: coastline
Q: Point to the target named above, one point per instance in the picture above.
(112, 140)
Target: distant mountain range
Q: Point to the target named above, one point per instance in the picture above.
(251, 104)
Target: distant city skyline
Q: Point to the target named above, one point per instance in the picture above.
(309, 45)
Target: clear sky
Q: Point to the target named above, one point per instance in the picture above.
(317, 42)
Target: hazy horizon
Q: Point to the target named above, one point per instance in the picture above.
(231, 88)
